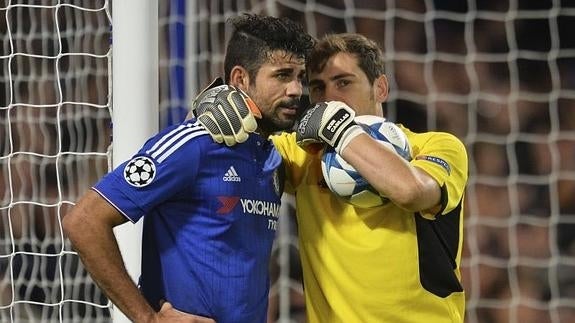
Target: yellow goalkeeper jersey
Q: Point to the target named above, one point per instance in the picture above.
(382, 264)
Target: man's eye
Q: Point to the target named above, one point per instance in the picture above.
(315, 89)
(341, 83)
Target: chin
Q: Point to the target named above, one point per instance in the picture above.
(285, 124)
(278, 125)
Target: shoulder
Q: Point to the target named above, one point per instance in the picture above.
(294, 156)
(177, 140)
(283, 139)
(434, 139)
(286, 145)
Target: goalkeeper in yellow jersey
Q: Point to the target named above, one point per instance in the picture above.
(394, 263)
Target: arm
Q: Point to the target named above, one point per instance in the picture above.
(89, 226)
(407, 186)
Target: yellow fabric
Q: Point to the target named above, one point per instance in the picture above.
(361, 265)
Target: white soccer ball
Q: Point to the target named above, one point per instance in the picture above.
(343, 180)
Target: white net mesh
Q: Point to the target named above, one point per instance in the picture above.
(498, 74)
(54, 130)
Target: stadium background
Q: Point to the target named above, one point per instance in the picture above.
(498, 74)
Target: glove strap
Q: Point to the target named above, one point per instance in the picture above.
(347, 136)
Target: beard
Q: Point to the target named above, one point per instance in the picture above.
(275, 121)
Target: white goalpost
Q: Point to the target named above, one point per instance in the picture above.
(135, 112)
(498, 74)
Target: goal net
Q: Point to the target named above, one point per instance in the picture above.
(498, 74)
(54, 133)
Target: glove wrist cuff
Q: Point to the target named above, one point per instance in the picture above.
(353, 131)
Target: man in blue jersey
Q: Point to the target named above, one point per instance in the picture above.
(209, 210)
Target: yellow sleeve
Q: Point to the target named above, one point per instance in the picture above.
(444, 157)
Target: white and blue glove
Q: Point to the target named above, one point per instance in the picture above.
(328, 122)
(226, 112)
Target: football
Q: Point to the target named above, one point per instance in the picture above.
(343, 180)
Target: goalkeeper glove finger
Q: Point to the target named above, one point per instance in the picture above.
(206, 96)
(226, 112)
(223, 128)
(328, 122)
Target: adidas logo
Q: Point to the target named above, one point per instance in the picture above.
(231, 175)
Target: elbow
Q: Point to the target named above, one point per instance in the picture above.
(77, 227)
(71, 224)
(406, 202)
(412, 198)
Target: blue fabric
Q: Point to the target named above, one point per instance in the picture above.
(210, 215)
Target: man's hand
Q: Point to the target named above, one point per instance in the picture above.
(226, 112)
(328, 122)
(169, 314)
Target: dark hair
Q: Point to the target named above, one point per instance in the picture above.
(255, 37)
(369, 55)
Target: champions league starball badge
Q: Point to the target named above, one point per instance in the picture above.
(140, 171)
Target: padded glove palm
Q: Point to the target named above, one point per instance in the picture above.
(226, 112)
(328, 122)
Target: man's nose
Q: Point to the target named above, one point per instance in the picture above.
(294, 88)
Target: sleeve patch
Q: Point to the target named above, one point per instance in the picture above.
(436, 160)
(140, 171)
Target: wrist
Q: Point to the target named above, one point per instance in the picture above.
(352, 131)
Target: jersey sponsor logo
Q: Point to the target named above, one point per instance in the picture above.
(140, 171)
(259, 207)
(436, 160)
(231, 175)
(228, 204)
(249, 206)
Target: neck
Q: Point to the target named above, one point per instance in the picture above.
(263, 133)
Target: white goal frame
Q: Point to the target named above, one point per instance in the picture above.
(135, 108)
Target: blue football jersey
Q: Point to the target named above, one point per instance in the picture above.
(210, 215)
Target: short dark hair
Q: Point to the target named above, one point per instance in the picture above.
(255, 37)
(368, 53)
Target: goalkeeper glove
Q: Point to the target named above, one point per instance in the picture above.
(328, 122)
(227, 113)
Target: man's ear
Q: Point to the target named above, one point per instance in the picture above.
(239, 78)
(381, 88)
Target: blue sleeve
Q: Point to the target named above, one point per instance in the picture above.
(165, 166)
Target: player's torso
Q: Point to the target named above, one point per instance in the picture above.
(210, 221)
(207, 190)
(237, 192)
(365, 262)
(230, 220)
